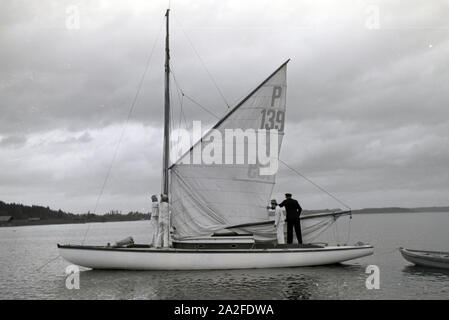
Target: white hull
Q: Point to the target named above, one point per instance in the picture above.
(194, 259)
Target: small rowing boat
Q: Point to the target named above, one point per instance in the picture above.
(433, 259)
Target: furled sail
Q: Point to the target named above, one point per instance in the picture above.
(207, 197)
(312, 226)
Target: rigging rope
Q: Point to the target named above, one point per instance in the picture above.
(181, 113)
(348, 234)
(203, 64)
(316, 185)
(49, 261)
(124, 127)
(335, 230)
(202, 107)
(180, 93)
(178, 87)
(180, 96)
(172, 119)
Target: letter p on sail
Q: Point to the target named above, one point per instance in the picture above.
(277, 93)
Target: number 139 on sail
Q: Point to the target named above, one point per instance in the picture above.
(272, 119)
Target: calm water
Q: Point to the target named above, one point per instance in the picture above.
(24, 250)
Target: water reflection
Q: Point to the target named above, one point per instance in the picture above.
(420, 271)
(332, 282)
(24, 250)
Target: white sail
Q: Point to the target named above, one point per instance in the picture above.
(209, 197)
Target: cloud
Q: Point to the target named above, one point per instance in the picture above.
(58, 170)
(14, 141)
(84, 138)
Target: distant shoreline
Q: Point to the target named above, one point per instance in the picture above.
(23, 223)
(16, 214)
(400, 210)
(385, 210)
(82, 219)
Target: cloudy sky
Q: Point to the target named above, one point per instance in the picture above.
(367, 103)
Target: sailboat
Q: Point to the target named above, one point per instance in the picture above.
(219, 211)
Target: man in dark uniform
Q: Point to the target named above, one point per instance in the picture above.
(293, 210)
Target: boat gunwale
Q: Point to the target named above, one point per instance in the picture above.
(226, 250)
(422, 251)
(407, 253)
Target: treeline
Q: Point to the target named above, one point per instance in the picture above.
(24, 212)
(401, 210)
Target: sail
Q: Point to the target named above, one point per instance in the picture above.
(207, 197)
(315, 224)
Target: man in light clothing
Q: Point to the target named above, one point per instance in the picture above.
(279, 221)
(163, 239)
(154, 223)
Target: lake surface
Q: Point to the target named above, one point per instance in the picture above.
(24, 251)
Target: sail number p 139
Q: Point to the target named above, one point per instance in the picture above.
(273, 119)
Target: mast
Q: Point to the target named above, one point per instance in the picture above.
(166, 152)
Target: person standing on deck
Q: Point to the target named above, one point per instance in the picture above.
(154, 223)
(163, 239)
(293, 211)
(279, 221)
